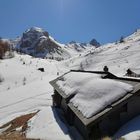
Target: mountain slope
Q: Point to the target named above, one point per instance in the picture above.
(25, 89)
(37, 42)
(117, 56)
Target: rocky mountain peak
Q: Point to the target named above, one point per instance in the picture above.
(37, 42)
(95, 43)
(31, 36)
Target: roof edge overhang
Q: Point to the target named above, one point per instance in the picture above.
(103, 113)
(98, 116)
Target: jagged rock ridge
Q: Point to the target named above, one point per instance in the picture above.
(38, 43)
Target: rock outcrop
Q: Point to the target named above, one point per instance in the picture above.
(95, 43)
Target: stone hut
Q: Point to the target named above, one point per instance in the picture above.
(104, 117)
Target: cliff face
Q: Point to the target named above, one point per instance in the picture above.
(37, 42)
(95, 43)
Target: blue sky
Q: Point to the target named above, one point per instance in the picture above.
(66, 20)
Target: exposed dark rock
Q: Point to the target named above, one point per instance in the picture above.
(37, 42)
(41, 69)
(95, 43)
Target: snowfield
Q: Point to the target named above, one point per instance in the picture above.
(25, 89)
(46, 127)
(117, 56)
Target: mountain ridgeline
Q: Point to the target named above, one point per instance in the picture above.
(38, 43)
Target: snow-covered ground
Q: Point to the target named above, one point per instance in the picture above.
(117, 56)
(26, 89)
(47, 125)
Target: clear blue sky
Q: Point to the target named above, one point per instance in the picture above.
(66, 20)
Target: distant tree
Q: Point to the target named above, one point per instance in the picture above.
(121, 39)
(4, 46)
(1, 53)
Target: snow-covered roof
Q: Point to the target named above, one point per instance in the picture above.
(92, 93)
(137, 71)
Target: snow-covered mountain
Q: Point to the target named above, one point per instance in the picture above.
(75, 48)
(25, 89)
(14, 42)
(94, 42)
(37, 42)
(117, 56)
